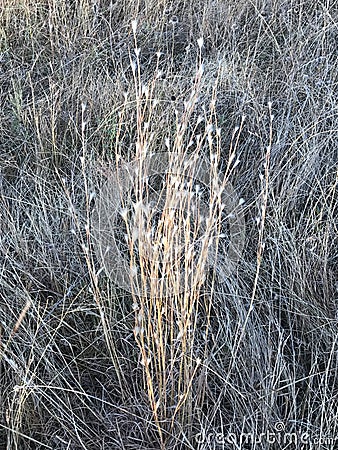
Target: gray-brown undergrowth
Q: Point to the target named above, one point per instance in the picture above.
(259, 348)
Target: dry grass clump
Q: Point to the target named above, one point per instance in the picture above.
(170, 207)
(118, 153)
